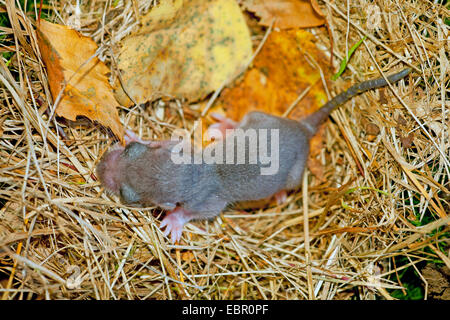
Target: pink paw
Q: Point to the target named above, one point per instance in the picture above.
(130, 136)
(280, 197)
(174, 222)
(222, 125)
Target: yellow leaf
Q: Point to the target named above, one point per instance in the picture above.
(185, 49)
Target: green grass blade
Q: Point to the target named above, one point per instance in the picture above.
(345, 61)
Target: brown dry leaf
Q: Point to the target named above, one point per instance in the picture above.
(65, 53)
(438, 279)
(315, 166)
(372, 129)
(185, 49)
(281, 73)
(407, 141)
(286, 13)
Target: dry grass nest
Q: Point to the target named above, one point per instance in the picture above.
(385, 194)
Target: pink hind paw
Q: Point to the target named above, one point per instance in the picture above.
(222, 125)
(174, 222)
(130, 136)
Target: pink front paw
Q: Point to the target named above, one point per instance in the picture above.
(221, 126)
(174, 222)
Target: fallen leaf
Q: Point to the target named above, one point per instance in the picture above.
(407, 141)
(316, 169)
(372, 129)
(286, 13)
(87, 92)
(185, 49)
(383, 99)
(438, 281)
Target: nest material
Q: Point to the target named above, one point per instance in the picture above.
(384, 196)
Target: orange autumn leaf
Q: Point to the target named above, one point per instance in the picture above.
(67, 57)
(286, 13)
(282, 72)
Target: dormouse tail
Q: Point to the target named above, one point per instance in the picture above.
(314, 120)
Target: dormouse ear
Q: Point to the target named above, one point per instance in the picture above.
(128, 195)
(134, 149)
